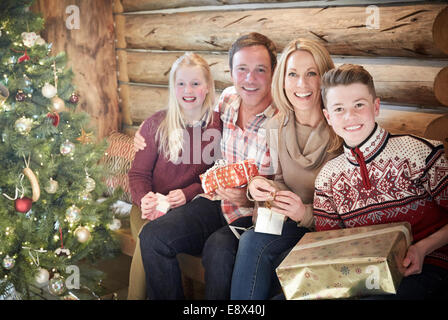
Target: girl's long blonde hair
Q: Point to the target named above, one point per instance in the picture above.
(323, 62)
(170, 131)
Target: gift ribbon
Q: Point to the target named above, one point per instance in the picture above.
(399, 228)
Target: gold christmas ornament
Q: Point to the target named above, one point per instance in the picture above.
(33, 180)
(58, 105)
(52, 186)
(82, 234)
(23, 125)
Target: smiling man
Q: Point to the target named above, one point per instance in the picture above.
(201, 226)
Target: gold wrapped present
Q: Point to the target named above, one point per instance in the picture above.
(346, 263)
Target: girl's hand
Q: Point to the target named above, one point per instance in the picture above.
(261, 190)
(289, 204)
(176, 198)
(148, 205)
(413, 262)
(139, 141)
(236, 196)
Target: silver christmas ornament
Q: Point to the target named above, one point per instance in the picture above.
(67, 148)
(8, 262)
(23, 125)
(56, 285)
(73, 214)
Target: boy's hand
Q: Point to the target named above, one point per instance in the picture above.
(413, 262)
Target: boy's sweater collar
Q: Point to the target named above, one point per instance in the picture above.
(370, 147)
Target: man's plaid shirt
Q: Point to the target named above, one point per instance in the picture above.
(240, 144)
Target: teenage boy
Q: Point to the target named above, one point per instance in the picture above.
(384, 178)
(201, 226)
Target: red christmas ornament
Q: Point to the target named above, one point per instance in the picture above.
(25, 57)
(20, 96)
(55, 117)
(23, 204)
(74, 98)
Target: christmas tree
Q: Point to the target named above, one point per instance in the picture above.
(50, 176)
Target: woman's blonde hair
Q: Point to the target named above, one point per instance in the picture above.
(323, 62)
(170, 131)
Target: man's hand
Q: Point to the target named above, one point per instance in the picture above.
(236, 196)
(139, 141)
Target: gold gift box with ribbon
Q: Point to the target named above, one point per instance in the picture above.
(346, 263)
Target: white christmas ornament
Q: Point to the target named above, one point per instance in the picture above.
(49, 91)
(42, 277)
(29, 38)
(115, 224)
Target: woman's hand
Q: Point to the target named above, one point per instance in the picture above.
(236, 196)
(148, 205)
(289, 204)
(261, 190)
(176, 198)
(139, 141)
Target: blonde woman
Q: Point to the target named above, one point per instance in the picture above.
(304, 142)
(176, 151)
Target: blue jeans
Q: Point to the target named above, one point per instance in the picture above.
(195, 228)
(254, 276)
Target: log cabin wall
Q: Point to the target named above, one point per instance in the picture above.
(406, 51)
(84, 29)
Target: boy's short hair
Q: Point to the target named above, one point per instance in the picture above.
(345, 75)
(254, 39)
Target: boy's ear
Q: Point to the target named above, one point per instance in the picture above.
(376, 105)
(327, 115)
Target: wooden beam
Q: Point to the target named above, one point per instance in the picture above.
(404, 30)
(91, 54)
(144, 101)
(402, 81)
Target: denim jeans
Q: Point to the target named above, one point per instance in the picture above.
(254, 276)
(195, 228)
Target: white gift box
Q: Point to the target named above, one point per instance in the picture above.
(162, 203)
(269, 221)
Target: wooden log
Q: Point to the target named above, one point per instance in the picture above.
(395, 79)
(441, 86)
(154, 67)
(91, 55)
(401, 121)
(144, 101)
(439, 29)
(404, 30)
(142, 5)
(437, 129)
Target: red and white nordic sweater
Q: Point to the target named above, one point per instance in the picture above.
(388, 178)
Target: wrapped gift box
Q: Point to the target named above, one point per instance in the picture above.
(346, 263)
(269, 221)
(223, 175)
